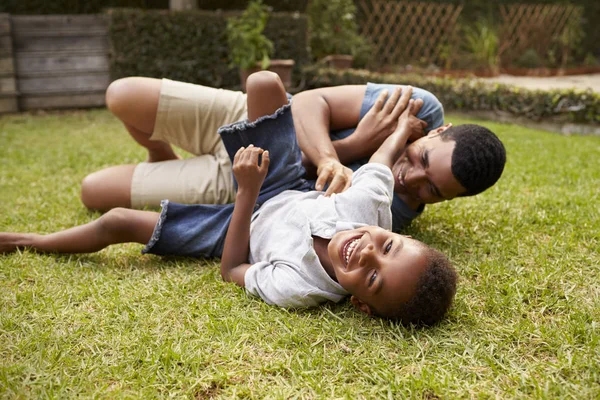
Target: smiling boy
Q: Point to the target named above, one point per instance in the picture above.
(301, 249)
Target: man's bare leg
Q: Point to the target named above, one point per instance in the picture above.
(116, 226)
(135, 102)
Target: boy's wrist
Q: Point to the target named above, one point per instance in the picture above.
(247, 192)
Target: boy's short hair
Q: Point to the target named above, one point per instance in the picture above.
(478, 158)
(433, 295)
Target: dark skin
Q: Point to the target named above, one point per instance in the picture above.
(250, 176)
(317, 112)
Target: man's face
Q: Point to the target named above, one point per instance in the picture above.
(423, 173)
(378, 267)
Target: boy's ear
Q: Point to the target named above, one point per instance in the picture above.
(361, 305)
(437, 131)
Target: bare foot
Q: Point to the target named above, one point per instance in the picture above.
(10, 242)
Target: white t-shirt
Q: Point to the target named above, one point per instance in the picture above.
(286, 270)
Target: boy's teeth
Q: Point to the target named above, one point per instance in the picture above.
(349, 249)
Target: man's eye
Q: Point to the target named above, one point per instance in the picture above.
(372, 278)
(388, 248)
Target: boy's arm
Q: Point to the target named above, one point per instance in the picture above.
(250, 176)
(317, 112)
(409, 127)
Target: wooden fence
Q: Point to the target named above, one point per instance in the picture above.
(537, 27)
(407, 32)
(61, 61)
(426, 33)
(8, 85)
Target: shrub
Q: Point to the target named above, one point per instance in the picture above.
(247, 42)
(470, 95)
(192, 46)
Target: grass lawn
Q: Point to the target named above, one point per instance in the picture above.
(116, 324)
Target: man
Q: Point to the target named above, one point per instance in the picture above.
(334, 126)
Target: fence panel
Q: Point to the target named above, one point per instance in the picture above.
(408, 32)
(61, 60)
(8, 85)
(534, 26)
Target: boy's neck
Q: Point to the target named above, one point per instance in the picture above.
(320, 246)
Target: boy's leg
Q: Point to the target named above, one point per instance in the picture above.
(266, 94)
(119, 225)
(271, 128)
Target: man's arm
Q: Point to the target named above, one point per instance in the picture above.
(409, 126)
(317, 112)
(250, 176)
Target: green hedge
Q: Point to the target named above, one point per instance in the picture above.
(469, 95)
(277, 5)
(96, 6)
(192, 46)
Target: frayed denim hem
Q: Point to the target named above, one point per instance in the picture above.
(158, 228)
(240, 126)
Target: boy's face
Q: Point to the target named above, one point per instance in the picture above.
(378, 267)
(423, 173)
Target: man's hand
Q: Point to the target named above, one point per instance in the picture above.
(334, 172)
(409, 126)
(249, 175)
(381, 120)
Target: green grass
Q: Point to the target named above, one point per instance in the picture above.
(117, 324)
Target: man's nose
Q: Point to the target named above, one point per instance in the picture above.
(366, 254)
(414, 176)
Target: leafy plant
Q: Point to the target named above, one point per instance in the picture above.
(530, 59)
(333, 29)
(247, 43)
(482, 43)
(569, 40)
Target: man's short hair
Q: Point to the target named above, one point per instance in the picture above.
(433, 295)
(478, 158)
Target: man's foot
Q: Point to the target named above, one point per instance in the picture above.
(10, 242)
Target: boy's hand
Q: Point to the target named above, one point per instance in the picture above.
(382, 119)
(409, 126)
(247, 172)
(408, 122)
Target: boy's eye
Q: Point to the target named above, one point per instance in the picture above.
(388, 248)
(372, 279)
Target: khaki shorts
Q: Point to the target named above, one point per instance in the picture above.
(188, 117)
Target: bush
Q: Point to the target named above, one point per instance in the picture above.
(469, 95)
(529, 59)
(192, 46)
(247, 43)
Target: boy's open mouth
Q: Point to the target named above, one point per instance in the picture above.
(348, 248)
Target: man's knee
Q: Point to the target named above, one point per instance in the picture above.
(116, 95)
(265, 82)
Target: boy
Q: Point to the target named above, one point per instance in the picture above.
(330, 251)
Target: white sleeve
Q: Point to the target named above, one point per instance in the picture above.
(369, 199)
(280, 285)
(376, 179)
